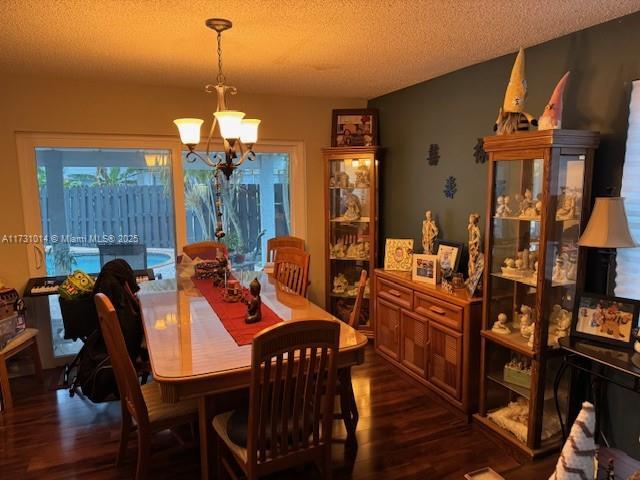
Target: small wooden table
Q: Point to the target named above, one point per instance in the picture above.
(193, 356)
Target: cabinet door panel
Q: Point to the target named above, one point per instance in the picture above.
(387, 328)
(445, 359)
(414, 335)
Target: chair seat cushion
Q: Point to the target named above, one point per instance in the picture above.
(160, 411)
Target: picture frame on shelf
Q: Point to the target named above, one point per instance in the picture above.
(425, 268)
(449, 254)
(606, 319)
(398, 254)
(354, 127)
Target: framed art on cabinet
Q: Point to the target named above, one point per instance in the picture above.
(397, 254)
(605, 319)
(449, 254)
(425, 268)
(354, 128)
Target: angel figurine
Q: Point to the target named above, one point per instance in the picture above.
(429, 232)
(500, 326)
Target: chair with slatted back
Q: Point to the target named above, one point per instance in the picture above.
(288, 421)
(143, 404)
(291, 268)
(276, 242)
(205, 250)
(348, 406)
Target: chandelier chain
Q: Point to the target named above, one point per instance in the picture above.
(220, 77)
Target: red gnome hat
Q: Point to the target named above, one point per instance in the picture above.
(552, 116)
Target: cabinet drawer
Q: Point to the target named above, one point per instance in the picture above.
(443, 312)
(394, 293)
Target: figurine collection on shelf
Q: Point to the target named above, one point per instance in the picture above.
(348, 247)
(362, 178)
(512, 116)
(559, 324)
(342, 287)
(524, 266)
(518, 372)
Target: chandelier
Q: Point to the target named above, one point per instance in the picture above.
(238, 133)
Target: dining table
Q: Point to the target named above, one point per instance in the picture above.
(193, 356)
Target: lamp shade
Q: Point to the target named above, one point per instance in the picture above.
(189, 129)
(230, 122)
(249, 130)
(608, 226)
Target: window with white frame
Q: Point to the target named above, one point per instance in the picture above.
(628, 259)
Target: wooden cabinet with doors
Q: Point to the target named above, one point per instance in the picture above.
(533, 270)
(430, 335)
(351, 219)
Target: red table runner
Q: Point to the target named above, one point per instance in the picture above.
(233, 315)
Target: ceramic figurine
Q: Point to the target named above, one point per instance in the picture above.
(332, 181)
(526, 320)
(362, 177)
(509, 268)
(339, 249)
(429, 232)
(353, 207)
(507, 209)
(352, 250)
(500, 207)
(527, 205)
(342, 180)
(500, 326)
(532, 334)
(254, 306)
(567, 208)
(572, 268)
(559, 273)
(474, 242)
(340, 284)
(511, 116)
(551, 118)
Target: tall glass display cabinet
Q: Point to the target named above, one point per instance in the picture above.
(351, 239)
(539, 200)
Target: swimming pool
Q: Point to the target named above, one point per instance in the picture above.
(90, 262)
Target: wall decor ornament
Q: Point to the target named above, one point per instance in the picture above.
(511, 116)
(434, 154)
(450, 187)
(478, 151)
(551, 118)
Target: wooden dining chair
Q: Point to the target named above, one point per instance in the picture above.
(141, 405)
(288, 422)
(291, 268)
(205, 250)
(348, 407)
(276, 242)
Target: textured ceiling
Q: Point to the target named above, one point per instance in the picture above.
(345, 48)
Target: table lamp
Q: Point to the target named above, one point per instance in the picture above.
(608, 228)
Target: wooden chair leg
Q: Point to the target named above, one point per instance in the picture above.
(5, 386)
(348, 406)
(327, 471)
(37, 364)
(125, 430)
(144, 451)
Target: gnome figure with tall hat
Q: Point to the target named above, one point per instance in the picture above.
(551, 118)
(577, 459)
(511, 116)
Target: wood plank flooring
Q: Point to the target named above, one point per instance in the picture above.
(404, 433)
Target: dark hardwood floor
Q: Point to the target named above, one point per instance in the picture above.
(404, 433)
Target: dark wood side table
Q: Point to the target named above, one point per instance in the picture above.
(603, 365)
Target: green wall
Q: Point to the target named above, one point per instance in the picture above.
(455, 109)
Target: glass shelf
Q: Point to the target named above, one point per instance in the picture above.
(344, 220)
(514, 341)
(532, 282)
(350, 259)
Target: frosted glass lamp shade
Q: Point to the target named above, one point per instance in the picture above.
(230, 122)
(608, 226)
(189, 129)
(249, 131)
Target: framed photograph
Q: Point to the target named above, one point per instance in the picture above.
(609, 320)
(474, 280)
(449, 254)
(397, 254)
(425, 268)
(354, 128)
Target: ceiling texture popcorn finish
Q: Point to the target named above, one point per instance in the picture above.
(345, 48)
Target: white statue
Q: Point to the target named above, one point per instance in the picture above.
(352, 250)
(474, 242)
(429, 232)
(353, 207)
(532, 335)
(525, 321)
(527, 205)
(340, 284)
(362, 177)
(567, 206)
(500, 326)
(339, 250)
(502, 209)
(559, 273)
